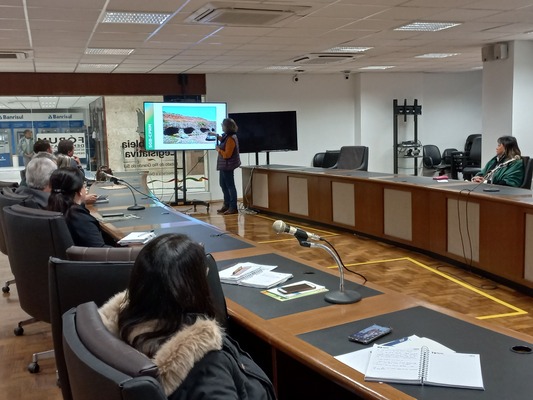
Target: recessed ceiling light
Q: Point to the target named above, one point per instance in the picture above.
(427, 26)
(96, 67)
(377, 67)
(119, 17)
(109, 52)
(282, 67)
(348, 49)
(437, 55)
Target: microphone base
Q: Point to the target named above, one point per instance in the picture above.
(345, 297)
(491, 189)
(136, 208)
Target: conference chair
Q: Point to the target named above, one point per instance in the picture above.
(447, 156)
(34, 236)
(75, 282)
(528, 172)
(353, 157)
(6, 184)
(8, 198)
(102, 366)
(318, 160)
(330, 158)
(472, 163)
(459, 158)
(217, 293)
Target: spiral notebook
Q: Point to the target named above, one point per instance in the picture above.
(421, 366)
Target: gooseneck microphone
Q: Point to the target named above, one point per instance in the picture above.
(116, 180)
(281, 227)
(488, 177)
(341, 296)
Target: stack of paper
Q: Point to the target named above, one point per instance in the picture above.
(253, 275)
(137, 238)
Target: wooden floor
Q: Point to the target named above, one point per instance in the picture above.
(404, 271)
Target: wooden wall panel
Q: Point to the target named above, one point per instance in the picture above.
(502, 228)
(278, 192)
(46, 84)
(369, 207)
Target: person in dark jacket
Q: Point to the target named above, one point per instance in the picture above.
(67, 195)
(228, 160)
(37, 180)
(168, 314)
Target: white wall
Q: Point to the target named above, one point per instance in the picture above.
(324, 107)
(333, 112)
(523, 95)
(451, 110)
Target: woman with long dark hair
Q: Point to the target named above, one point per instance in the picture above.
(506, 167)
(167, 313)
(67, 195)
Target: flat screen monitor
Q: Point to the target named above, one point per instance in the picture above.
(266, 131)
(182, 126)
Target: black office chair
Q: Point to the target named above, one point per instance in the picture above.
(7, 200)
(33, 236)
(353, 157)
(472, 163)
(447, 158)
(318, 160)
(330, 158)
(528, 172)
(217, 293)
(432, 159)
(100, 365)
(459, 158)
(75, 282)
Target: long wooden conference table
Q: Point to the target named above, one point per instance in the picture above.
(295, 341)
(460, 221)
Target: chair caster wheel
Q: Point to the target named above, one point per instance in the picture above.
(18, 331)
(33, 368)
(5, 289)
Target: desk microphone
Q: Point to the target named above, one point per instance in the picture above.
(115, 180)
(490, 175)
(341, 296)
(281, 227)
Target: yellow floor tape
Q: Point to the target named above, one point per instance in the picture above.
(516, 310)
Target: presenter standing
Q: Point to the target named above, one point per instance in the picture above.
(506, 168)
(25, 146)
(228, 160)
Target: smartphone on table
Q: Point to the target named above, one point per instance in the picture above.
(369, 334)
(296, 288)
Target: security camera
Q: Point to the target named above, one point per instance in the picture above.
(346, 74)
(295, 78)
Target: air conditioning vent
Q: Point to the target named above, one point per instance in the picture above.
(15, 55)
(239, 14)
(325, 59)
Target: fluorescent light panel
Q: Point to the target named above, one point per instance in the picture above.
(96, 67)
(120, 17)
(377, 67)
(282, 67)
(109, 52)
(437, 55)
(348, 49)
(427, 26)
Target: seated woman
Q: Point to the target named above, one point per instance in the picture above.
(167, 313)
(506, 168)
(67, 195)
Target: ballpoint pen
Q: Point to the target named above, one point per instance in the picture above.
(237, 270)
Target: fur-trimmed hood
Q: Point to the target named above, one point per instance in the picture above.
(177, 356)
